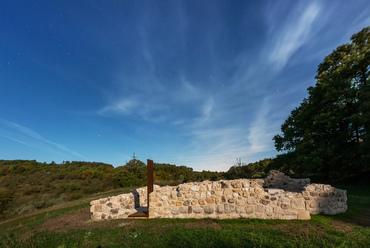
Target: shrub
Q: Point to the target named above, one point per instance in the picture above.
(6, 198)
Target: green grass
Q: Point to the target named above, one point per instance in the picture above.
(320, 231)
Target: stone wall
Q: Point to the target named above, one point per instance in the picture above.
(113, 207)
(275, 197)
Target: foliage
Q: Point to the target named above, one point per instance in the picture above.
(258, 169)
(6, 197)
(328, 134)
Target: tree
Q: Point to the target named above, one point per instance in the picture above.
(328, 134)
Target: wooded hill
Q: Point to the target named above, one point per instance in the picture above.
(26, 185)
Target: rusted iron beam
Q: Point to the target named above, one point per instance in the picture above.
(149, 180)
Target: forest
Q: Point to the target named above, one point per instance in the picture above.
(327, 137)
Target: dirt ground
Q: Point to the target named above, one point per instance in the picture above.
(80, 219)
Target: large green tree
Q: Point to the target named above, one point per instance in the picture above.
(328, 134)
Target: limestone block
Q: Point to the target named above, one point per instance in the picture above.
(234, 216)
(323, 202)
(249, 209)
(246, 184)
(175, 211)
(324, 194)
(194, 188)
(173, 195)
(114, 211)
(251, 200)
(285, 206)
(303, 215)
(202, 188)
(298, 203)
(197, 210)
(235, 195)
(246, 194)
(258, 190)
(228, 191)
(97, 208)
(228, 208)
(190, 209)
(260, 216)
(264, 201)
(209, 209)
(183, 188)
(313, 204)
(225, 184)
(183, 210)
(274, 191)
(314, 194)
(260, 208)
(216, 185)
(289, 217)
(268, 209)
(196, 196)
(240, 210)
(278, 210)
(254, 184)
(219, 193)
(318, 187)
(219, 209)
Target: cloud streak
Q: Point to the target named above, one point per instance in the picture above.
(36, 136)
(292, 34)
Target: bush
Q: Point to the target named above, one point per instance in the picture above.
(6, 198)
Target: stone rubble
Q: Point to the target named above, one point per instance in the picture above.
(276, 197)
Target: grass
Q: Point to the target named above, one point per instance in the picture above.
(321, 231)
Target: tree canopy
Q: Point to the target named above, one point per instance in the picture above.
(328, 134)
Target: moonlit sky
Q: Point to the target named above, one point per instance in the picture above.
(195, 83)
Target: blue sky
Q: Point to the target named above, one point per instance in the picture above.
(195, 83)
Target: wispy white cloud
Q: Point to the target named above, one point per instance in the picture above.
(119, 107)
(259, 132)
(16, 140)
(292, 34)
(32, 134)
(219, 123)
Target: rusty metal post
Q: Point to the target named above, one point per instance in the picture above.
(149, 180)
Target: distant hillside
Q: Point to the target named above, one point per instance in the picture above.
(26, 185)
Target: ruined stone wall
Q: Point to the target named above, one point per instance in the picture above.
(323, 198)
(113, 207)
(279, 180)
(276, 197)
